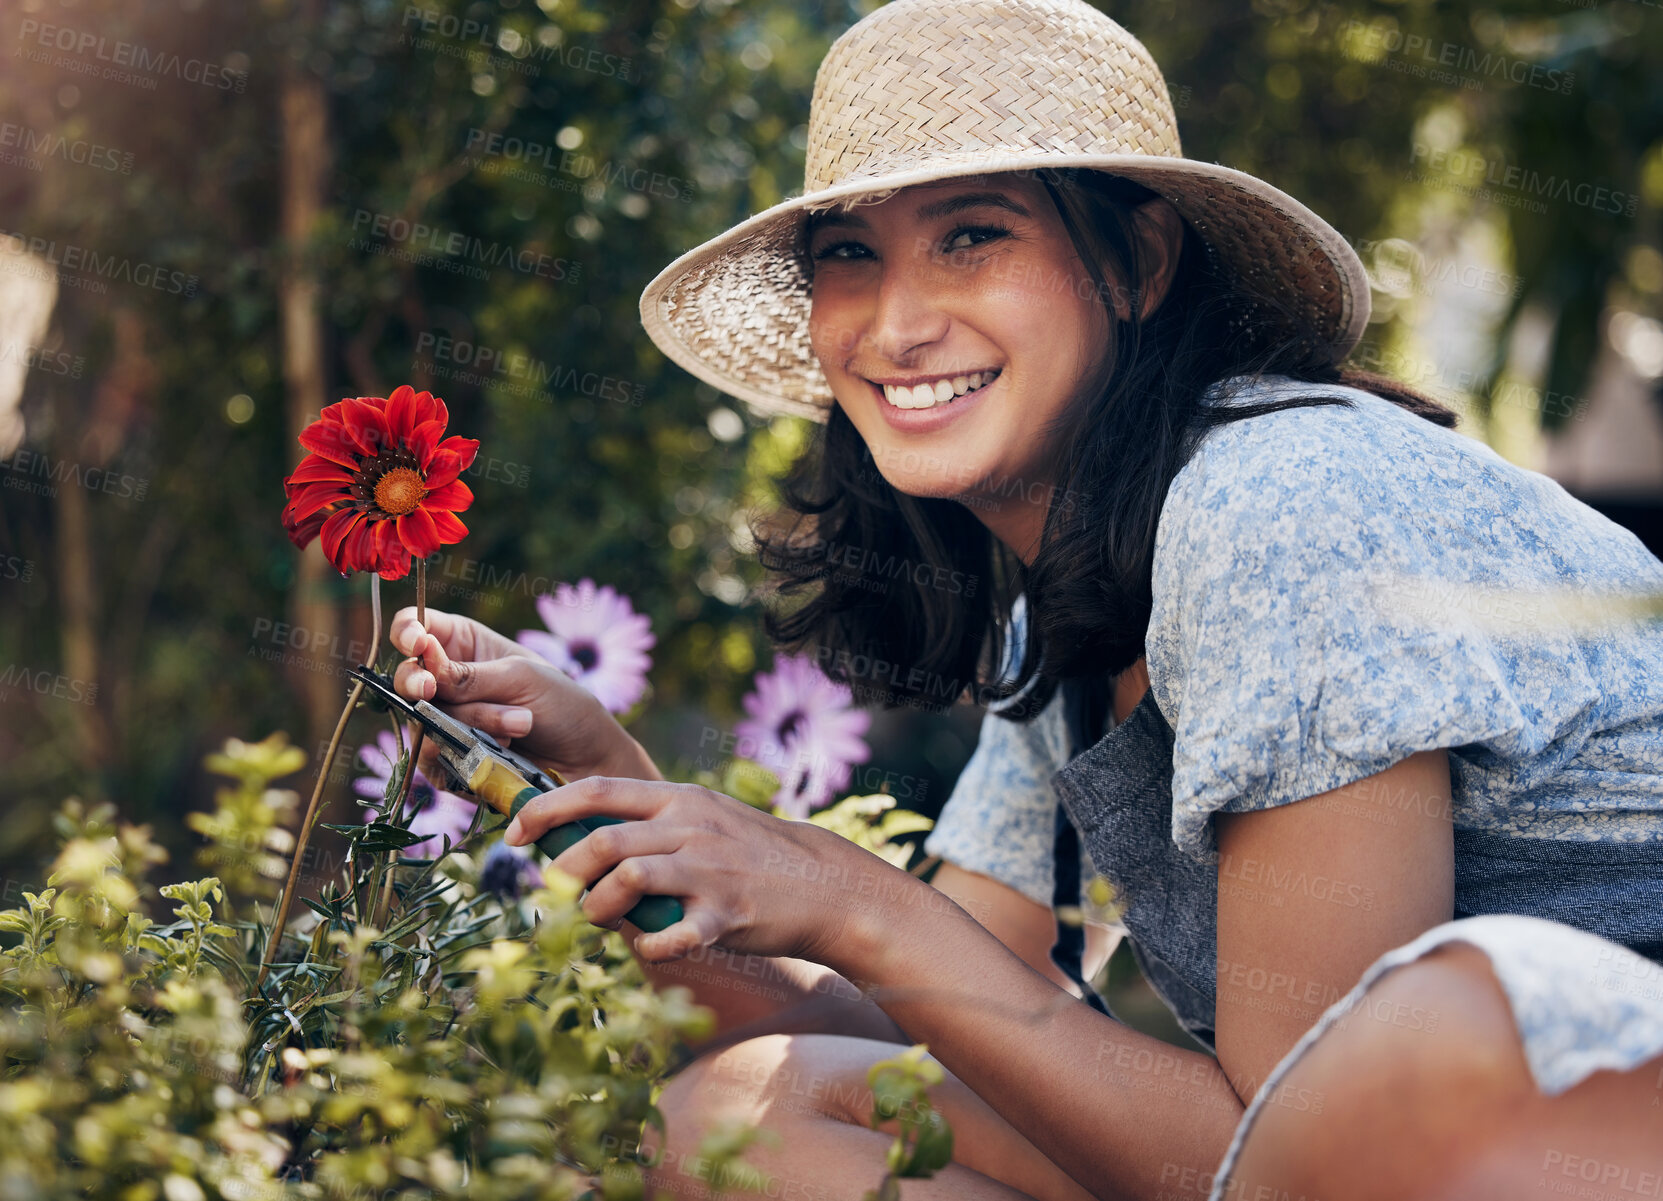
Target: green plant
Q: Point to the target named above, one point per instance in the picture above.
(923, 1142)
(460, 1044)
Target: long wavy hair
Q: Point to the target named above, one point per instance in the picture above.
(908, 600)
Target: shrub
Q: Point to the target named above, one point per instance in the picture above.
(425, 1037)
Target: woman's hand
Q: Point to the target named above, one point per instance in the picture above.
(498, 686)
(747, 881)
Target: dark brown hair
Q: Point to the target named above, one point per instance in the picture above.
(906, 599)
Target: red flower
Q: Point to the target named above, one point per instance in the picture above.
(379, 485)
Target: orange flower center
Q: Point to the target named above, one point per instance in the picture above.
(400, 491)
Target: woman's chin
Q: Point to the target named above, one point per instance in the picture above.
(927, 487)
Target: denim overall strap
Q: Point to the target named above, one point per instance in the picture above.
(1119, 797)
(1082, 705)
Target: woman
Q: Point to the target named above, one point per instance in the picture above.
(1389, 826)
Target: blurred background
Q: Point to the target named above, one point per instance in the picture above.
(216, 218)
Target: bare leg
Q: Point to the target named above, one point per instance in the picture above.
(1448, 1108)
(810, 1090)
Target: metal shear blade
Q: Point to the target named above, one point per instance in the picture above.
(446, 729)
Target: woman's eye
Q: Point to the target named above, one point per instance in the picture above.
(981, 233)
(977, 235)
(833, 251)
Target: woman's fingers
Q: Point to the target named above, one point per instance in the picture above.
(408, 635)
(460, 637)
(415, 678)
(606, 847)
(438, 677)
(751, 881)
(610, 796)
(700, 928)
(622, 888)
(499, 721)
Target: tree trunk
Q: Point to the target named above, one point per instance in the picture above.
(305, 167)
(78, 601)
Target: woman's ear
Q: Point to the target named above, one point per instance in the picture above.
(1160, 234)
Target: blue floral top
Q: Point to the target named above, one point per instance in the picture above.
(1335, 589)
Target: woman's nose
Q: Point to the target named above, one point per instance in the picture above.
(907, 313)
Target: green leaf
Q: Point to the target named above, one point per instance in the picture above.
(933, 1149)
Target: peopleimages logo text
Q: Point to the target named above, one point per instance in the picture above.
(48, 144)
(1476, 171)
(141, 59)
(1363, 39)
(501, 155)
(67, 256)
(454, 244)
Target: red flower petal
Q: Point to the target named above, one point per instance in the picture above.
(359, 547)
(315, 469)
(334, 533)
(418, 533)
(328, 439)
(463, 448)
(389, 553)
(395, 565)
(303, 531)
(448, 525)
(393, 554)
(368, 426)
(443, 466)
(430, 408)
(401, 412)
(423, 440)
(454, 496)
(309, 499)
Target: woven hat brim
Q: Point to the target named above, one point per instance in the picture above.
(734, 310)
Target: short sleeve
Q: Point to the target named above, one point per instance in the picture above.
(1000, 820)
(1284, 647)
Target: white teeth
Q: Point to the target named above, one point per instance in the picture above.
(924, 396)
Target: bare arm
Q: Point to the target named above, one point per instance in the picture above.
(1124, 1114)
(793, 996)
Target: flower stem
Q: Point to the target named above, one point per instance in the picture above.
(415, 752)
(281, 917)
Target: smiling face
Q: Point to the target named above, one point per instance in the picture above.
(954, 323)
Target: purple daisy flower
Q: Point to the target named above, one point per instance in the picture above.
(509, 872)
(805, 729)
(434, 811)
(596, 637)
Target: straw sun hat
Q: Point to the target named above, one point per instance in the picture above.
(924, 90)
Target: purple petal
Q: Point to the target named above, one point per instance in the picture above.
(547, 646)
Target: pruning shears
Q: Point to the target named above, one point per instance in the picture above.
(505, 780)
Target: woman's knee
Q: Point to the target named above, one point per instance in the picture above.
(1413, 1080)
(802, 1092)
(775, 1076)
